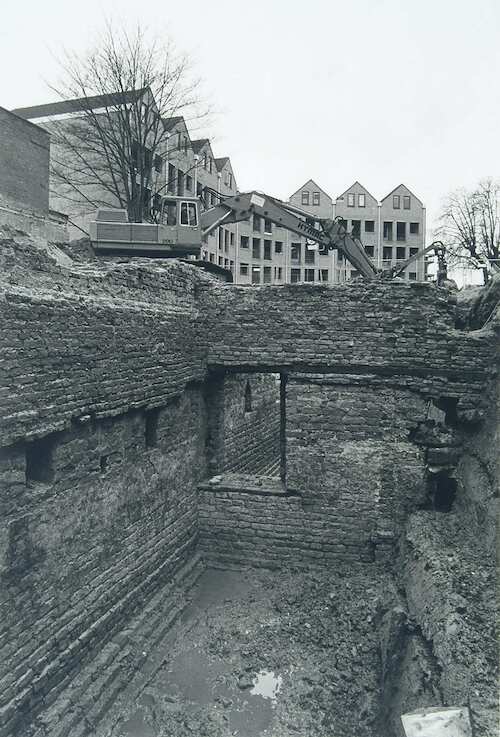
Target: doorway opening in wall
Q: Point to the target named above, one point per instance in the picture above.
(246, 437)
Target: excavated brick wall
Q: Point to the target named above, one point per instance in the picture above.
(103, 433)
(104, 425)
(244, 412)
(355, 464)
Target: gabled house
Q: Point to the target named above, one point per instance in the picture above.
(311, 198)
(402, 230)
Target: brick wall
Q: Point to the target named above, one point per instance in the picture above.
(98, 497)
(94, 519)
(24, 162)
(244, 422)
(353, 475)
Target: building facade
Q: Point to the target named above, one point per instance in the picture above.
(256, 251)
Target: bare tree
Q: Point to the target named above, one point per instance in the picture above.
(469, 225)
(109, 148)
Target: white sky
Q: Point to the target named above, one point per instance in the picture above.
(380, 91)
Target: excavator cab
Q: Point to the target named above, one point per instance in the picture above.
(177, 233)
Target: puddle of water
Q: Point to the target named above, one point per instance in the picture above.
(266, 684)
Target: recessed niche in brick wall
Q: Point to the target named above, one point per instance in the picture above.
(39, 460)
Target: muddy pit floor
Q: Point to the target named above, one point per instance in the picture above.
(261, 653)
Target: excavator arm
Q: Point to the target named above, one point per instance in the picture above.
(330, 235)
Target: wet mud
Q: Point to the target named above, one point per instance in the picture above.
(259, 654)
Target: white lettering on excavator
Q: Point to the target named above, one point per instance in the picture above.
(257, 201)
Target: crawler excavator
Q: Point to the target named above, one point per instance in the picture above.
(182, 227)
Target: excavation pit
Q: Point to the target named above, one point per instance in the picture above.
(254, 653)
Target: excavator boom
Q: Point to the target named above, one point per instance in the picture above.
(331, 234)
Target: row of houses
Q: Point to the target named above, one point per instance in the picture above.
(256, 251)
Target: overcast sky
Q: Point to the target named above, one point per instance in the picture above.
(380, 91)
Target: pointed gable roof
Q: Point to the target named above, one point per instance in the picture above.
(221, 162)
(359, 185)
(198, 144)
(310, 184)
(405, 188)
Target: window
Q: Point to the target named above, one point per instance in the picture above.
(220, 260)
(412, 275)
(185, 144)
(135, 154)
(387, 231)
(356, 228)
(400, 253)
(255, 274)
(309, 255)
(188, 214)
(244, 269)
(268, 226)
(401, 231)
(413, 251)
(308, 274)
(406, 202)
(244, 241)
(396, 202)
(369, 250)
(305, 197)
(350, 200)
(180, 183)
(267, 253)
(231, 238)
(179, 141)
(226, 239)
(255, 247)
(369, 226)
(414, 228)
(205, 161)
(220, 234)
(278, 273)
(210, 164)
(158, 163)
(278, 247)
(256, 222)
(315, 198)
(171, 178)
(267, 274)
(229, 179)
(294, 275)
(295, 251)
(361, 200)
(189, 183)
(387, 253)
(323, 275)
(212, 258)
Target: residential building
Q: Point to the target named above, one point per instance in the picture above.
(359, 210)
(402, 231)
